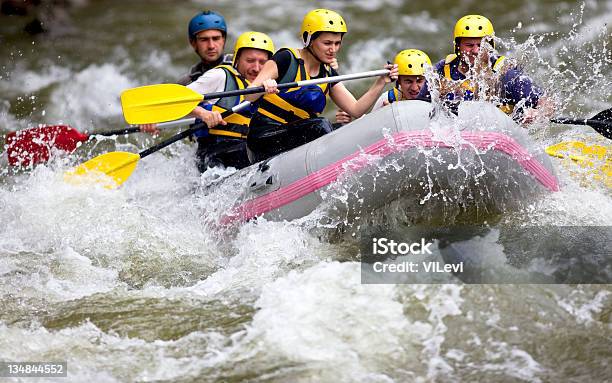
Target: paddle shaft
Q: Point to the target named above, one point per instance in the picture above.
(588, 121)
(190, 131)
(602, 127)
(261, 89)
(136, 129)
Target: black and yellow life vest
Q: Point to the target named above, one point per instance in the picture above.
(288, 105)
(467, 85)
(237, 123)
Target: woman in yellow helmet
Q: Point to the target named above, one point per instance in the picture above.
(289, 118)
(224, 142)
(411, 64)
(461, 68)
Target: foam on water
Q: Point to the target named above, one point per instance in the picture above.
(582, 306)
(323, 318)
(8, 122)
(574, 205)
(85, 347)
(91, 95)
(33, 81)
(58, 276)
(511, 361)
(135, 231)
(264, 251)
(366, 54)
(160, 63)
(422, 22)
(270, 300)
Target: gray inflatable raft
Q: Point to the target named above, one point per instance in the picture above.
(432, 163)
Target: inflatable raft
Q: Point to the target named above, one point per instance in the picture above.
(436, 165)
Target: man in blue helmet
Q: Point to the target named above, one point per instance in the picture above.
(207, 32)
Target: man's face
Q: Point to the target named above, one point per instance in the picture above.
(469, 48)
(209, 45)
(250, 62)
(411, 86)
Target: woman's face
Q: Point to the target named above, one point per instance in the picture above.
(326, 46)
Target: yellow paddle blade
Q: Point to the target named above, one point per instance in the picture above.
(109, 169)
(578, 151)
(596, 158)
(606, 173)
(158, 103)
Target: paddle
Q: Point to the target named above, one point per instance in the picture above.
(113, 169)
(577, 151)
(32, 146)
(594, 156)
(601, 122)
(164, 102)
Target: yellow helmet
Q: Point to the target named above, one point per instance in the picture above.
(321, 20)
(256, 40)
(471, 26)
(412, 62)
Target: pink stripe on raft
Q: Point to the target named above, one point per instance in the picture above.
(401, 141)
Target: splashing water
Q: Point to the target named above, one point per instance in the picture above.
(136, 284)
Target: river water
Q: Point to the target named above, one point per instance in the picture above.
(135, 285)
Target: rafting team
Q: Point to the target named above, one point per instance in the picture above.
(280, 120)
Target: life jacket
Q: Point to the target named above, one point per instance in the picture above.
(394, 95)
(200, 68)
(496, 64)
(298, 103)
(237, 123)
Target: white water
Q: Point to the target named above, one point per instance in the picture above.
(135, 284)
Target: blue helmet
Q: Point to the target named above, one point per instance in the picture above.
(204, 21)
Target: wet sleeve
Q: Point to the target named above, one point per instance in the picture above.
(332, 72)
(211, 81)
(283, 60)
(518, 88)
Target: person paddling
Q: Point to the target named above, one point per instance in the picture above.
(224, 142)
(472, 70)
(411, 64)
(290, 118)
